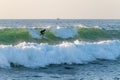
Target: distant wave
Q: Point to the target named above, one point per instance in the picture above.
(33, 55)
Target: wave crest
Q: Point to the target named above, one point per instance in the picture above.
(35, 55)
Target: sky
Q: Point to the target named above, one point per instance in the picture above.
(64, 9)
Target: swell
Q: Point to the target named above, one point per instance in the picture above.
(57, 35)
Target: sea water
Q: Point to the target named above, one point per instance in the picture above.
(66, 60)
(111, 23)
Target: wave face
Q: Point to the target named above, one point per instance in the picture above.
(57, 34)
(33, 55)
(64, 32)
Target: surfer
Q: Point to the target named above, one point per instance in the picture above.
(42, 32)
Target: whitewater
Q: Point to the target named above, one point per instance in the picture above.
(33, 55)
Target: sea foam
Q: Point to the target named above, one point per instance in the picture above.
(35, 55)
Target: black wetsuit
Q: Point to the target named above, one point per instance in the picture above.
(42, 32)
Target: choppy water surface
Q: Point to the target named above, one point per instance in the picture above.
(105, 23)
(98, 70)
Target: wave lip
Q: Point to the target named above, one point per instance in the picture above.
(35, 55)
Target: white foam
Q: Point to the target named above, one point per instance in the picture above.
(83, 26)
(39, 55)
(64, 32)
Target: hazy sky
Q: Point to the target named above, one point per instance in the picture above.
(48, 9)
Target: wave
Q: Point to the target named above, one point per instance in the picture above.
(56, 34)
(33, 55)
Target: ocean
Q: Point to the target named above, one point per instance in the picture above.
(71, 49)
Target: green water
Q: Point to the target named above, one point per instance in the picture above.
(18, 35)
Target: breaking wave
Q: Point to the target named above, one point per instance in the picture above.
(33, 55)
(56, 34)
(79, 45)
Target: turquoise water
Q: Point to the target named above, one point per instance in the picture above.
(56, 36)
